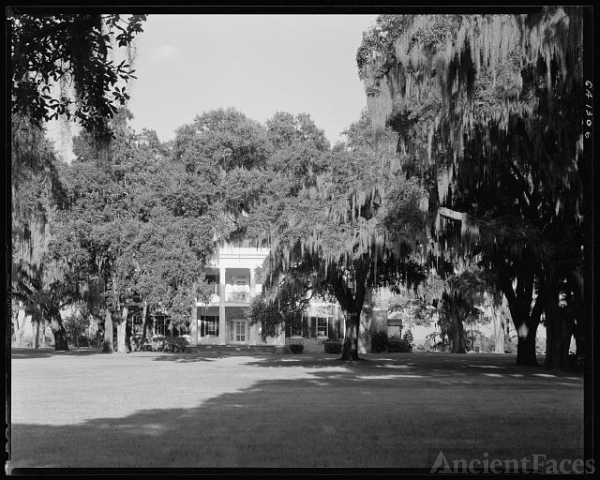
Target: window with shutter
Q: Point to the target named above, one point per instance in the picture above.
(209, 325)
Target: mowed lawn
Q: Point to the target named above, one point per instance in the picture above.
(88, 409)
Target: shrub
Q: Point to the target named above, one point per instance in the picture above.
(576, 362)
(181, 341)
(333, 347)
(158, 342)
(379, 342)
(296, 347)
(399, 345)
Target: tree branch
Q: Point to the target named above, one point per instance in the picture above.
(452, 214)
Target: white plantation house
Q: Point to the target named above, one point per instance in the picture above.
(222, 320)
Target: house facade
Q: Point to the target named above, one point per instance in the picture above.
(222, 319)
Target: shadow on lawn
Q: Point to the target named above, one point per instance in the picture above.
(353, 416)
(187, 357)
(25, 353)
(426, 363)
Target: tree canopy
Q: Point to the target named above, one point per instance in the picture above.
(330, 236)
(63, 65)
(489, 110)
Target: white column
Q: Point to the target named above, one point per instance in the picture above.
(222, 320)
(194, 323)
(252, 283)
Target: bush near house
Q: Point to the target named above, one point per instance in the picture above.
(379, 342)
(296, 347)
(175, 344)
(333, 347)
(404, 344)
(398, 345)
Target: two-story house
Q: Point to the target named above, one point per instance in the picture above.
(221, 320)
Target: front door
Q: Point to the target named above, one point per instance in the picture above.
(238, 331)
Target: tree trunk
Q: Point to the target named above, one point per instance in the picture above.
(351, 300)
(350, 345)
(526, 354)
(59, 332)
(525, 318)
(121, 332)
(558, 335)
(498, 331)
(36, 335)
(43, 333)
(19, 323)
(108, 333)
(99, 334)
(458, 334)
(145, 323)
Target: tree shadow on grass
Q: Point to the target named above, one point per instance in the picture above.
(428, 363)
(188, 357)
(30, 353)
(356, 418)
(206, 357)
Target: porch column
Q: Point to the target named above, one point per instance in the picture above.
(252, 283)
(194, 324)
(222, 322)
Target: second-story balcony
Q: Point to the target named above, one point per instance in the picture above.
(235, 294)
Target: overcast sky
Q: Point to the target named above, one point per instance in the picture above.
(258, 64)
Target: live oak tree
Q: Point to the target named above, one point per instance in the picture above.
(62, 67)
(329, 238)
(36, 193)
(501, 99)
(100, 221)
(464, 292)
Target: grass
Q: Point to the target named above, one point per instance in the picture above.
(91, 410)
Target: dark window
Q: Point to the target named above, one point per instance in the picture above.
(161, 325)
(322, 326)
(209, 325)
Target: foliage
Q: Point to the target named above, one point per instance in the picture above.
(76, 325)
(70, 51)
(124, 230)
(489, 114)
(332, 233)
(396, 345)
(296, 347)
(379, 342)
(221, 139)
(175, 344)
(283, 305)
(332, 347)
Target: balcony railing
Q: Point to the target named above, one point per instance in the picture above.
(235, 294)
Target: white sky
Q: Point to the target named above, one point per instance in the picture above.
(259, 64)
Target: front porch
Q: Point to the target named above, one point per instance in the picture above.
(228, 325)
(221, 319)
(223, 350)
